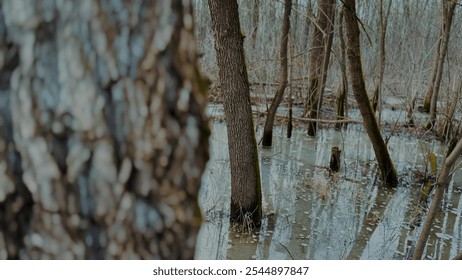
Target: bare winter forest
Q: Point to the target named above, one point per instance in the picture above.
(325, 193)
(230, 129)
(412, 33)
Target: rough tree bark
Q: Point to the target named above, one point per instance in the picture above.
(441, 184)
(384, 161)
(104, 137)
(269, 123)
(232, 72)
(319, 60)
(447, 10)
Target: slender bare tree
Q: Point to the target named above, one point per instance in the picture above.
(442, 183)
(323, 31)
(377, 99)
(342, 92)
(268, 129)
(447, 13)
(382, 155)
(448, 128)
(255, 21)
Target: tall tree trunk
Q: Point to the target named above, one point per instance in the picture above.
(448, 7)
(441, 185)
(289, 78)
(243, 153)
(428, 96)
(377, 103)
(308, 16)
(386, 166)
(268, 129)
(447, 127)
(106, 131)
(255, 22)
(319, 60)
(439, 43)
(342, 93)
(295, 17)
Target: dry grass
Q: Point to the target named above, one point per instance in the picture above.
(246, 227)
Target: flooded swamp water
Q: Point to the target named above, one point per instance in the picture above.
(312, 214)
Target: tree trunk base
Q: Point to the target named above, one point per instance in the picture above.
(289, 129)
(312, 125)
(334, 164)
(267, 139)
(246, 219)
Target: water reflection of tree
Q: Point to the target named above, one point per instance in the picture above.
(370, 222)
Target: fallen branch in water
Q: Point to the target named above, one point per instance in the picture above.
(275, 84)
(311, 120)
(290, 254)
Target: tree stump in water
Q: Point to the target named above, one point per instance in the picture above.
(334, 164)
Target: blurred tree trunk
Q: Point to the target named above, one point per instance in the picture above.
(384, 161)
(319, 60)
(232, 72)
(447, 10)
(269, 123)
(442, 183)
(104, 138)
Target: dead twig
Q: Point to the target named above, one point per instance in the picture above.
(290, 254)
